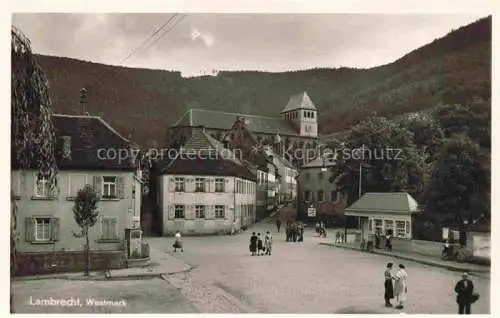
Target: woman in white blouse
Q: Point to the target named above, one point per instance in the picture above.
(400, 286)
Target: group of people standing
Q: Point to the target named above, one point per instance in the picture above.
(388, 240)
(395, 285)
(294, 232)
(260, 247)
(321, 229)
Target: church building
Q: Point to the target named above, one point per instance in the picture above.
(297, 126)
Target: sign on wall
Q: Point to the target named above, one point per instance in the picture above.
(481, 246)
(311, 212)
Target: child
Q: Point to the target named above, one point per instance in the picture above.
(260, 246)
(268, 241)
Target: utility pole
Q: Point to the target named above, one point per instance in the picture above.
(83, 100)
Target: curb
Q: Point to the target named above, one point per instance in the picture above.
(116, 276)
(421, 261)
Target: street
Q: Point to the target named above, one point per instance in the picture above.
(297, 278)
(309, 278)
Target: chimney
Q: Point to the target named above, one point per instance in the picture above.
(83, 100)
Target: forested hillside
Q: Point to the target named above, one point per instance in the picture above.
(143, 103)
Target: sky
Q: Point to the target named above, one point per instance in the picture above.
(203, 43)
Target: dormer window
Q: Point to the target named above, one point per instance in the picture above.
(66, 147)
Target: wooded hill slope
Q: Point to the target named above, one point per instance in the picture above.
(143, 102)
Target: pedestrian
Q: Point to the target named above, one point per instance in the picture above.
(301, 233)
(388, 243)
(278, 224)
(400, 286)
(178, 242)
(377, 239)
(446, 249)
(260, 245)
(253, 244)
(317, 228)
(388, 287)
(268, 242)
(465, 294)
(342, 237)
(233, 227)
(322, 229)
(288, 232)
(337, 237)
(294, 232)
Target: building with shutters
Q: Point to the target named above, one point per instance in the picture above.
(318, 192)
(297, 125)
(87, 153)
(205, 189)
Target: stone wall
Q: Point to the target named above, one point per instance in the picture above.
(60, 262)
(425, 248)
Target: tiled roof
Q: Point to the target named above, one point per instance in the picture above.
(326, 159)
(89, 138)
(299, 101)
(208, 167)
(221, 162)
(392, 202)
(224, 121)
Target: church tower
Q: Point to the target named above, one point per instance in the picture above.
(303, 113)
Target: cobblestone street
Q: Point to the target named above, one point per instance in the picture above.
(297, 278)
(305, 278)
(140, 296)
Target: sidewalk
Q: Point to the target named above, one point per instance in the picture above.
(161, 264)
(426, 260)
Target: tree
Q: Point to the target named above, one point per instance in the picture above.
(387, 150)
(460, 182)
(32, 129)
(427, 135)
(85, 212)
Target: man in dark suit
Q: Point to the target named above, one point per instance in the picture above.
(464, 289)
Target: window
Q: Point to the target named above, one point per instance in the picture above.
(220, 212)
(378, 226)
(308, 196)
(321, 195)
(334, 196)
(109, 187)
(66, 147)
(199, 185)
(407, 227)
(76, 183)
(42, 229)
(400, 229)
(312, 114)
(389, 226)
(180, 185)
(199, 211)
(220, 185)
(179, 211)
(109, 229)
(42, 186)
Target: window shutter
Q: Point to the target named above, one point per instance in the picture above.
(98, 185)
(29, 229)
(54, 228)
(35, 187)
(121, 187)
(226, 209)
(114, 228)
(16, 183)
(171, 184)
(189, 212)
(72, 193)
(171, 212)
